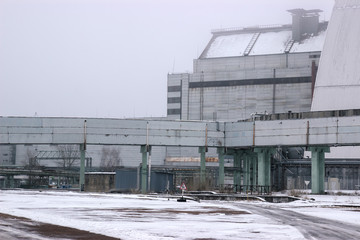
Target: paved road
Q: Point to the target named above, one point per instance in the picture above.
(311, 227)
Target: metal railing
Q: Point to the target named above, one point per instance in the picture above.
(246, 189)
(232, 29)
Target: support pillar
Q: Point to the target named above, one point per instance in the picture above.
(237, 169)
(238, 156)
(247, 171)
(318, 169)
(12, 181)
(82, 167)
(264, 167)
(254, 170)
(149, 168)
(202, 151)
(144, 150)
(221, 154)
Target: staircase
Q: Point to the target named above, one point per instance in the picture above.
(289, 46)
(251, 44)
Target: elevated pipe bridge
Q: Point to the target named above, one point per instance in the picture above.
(260, 135)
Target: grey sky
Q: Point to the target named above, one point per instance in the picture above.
(107, 58)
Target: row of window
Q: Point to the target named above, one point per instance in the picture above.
(173, 111)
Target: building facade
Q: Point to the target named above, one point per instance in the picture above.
(264, 69)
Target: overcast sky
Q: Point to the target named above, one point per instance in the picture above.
(107, 58)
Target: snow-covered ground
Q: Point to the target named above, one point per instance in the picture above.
(334, 207)
(147, 217)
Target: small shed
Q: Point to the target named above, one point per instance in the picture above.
(129, 180)
(99, 181)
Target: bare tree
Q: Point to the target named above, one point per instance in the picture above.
(31, 162)
(69, 154)
(110, 159)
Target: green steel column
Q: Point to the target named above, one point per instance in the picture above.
(221, 153)
(143, 150)
(82, 167)
(244, 172)
(12, 181)
(264, 165)
(268, 169)
(247, 171)
(235, 166)
(318, 169)
(202, 151)
(237, 173)
(254, 170)
(261, 166)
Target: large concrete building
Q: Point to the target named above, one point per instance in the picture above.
(241, 72)
(247, 71)
(339, 66)
(251, 70)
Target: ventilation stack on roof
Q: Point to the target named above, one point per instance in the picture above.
(304, 23)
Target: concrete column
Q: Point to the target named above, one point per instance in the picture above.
(11, 181)
(237, 168)
(264, 166)
(82, 167)
(268, 169)
(262, 156)
(318, 169)
(143, 150)
(202, 151)
(254, 170)
(149, 168)
(247, 173)
(221, 154)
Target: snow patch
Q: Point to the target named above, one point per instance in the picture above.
(271, 43)
(311, 44)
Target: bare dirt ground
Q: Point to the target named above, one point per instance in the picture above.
(19, 228)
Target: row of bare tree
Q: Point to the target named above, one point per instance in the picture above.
(69, 155)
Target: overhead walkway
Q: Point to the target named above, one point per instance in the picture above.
(252, 141)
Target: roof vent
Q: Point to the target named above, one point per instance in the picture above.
(304, 23)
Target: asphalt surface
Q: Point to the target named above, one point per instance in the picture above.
(309, 226)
